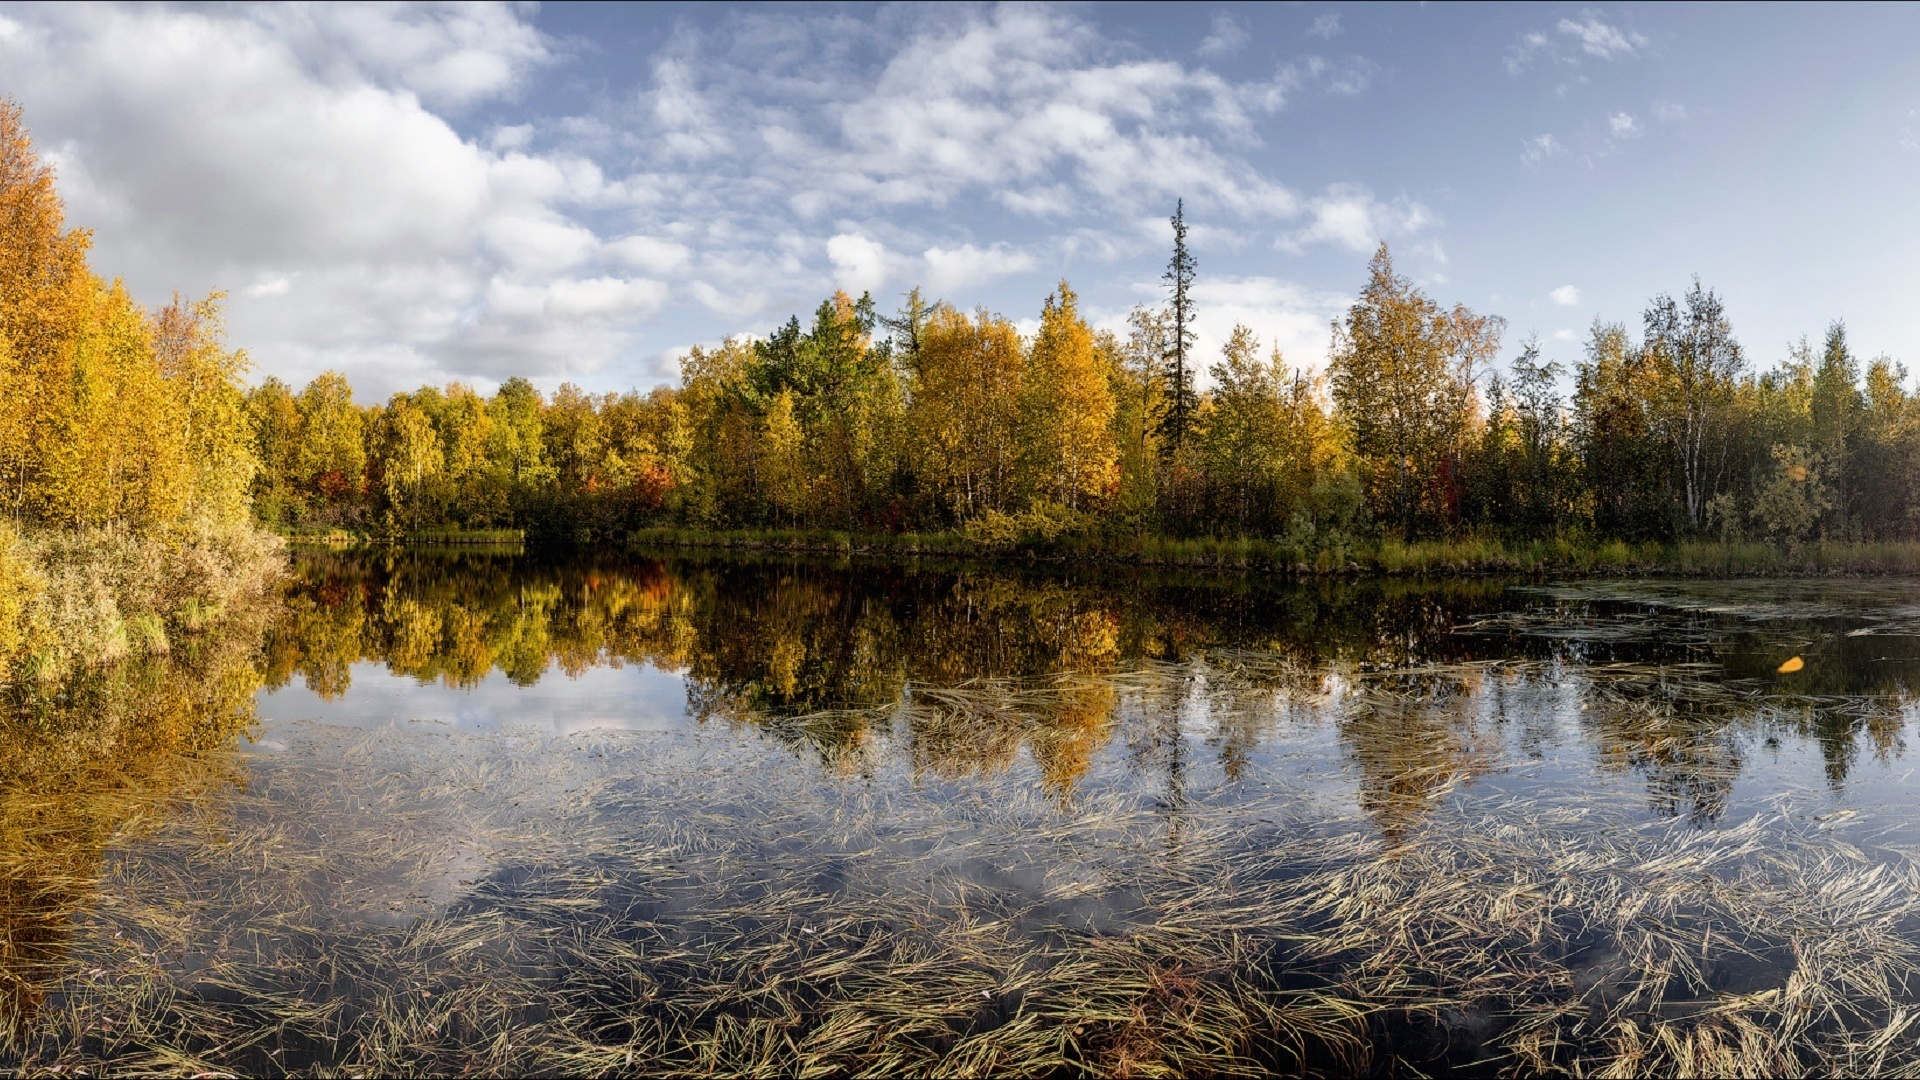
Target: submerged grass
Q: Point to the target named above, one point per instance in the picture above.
(424, 900)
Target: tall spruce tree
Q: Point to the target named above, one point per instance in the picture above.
(1181, 400)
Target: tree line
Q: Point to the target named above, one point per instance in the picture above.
(935, 417)
(110, 415)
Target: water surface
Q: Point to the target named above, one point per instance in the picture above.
(621, 813)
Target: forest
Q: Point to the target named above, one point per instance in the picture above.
(127, 458)
(934, 418)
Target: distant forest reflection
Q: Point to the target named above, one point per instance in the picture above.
(1427, 684)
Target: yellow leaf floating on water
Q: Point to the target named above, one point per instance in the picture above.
(1792, 666)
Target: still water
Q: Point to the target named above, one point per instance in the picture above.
(490, 812)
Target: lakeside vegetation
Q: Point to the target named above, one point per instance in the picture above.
(938, 428)
(126, 451)
(1390, 556)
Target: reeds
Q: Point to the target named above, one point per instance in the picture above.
(422, 900)
(1338, 556)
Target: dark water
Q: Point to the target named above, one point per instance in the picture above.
(444, 805)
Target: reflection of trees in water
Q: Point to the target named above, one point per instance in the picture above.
(83, 762)
(827, 657)
(764, 642)
(1412, 736)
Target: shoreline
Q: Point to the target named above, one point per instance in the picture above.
(1385, 559)
(1466, 557)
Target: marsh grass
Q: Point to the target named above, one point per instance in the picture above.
(420, 899)
(1467, 555)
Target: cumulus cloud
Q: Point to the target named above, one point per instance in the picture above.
(949, 269)
(1565, 296)
(368, 180)
(648, 253)
(859, 263)
(1622, 125)
(1227, 37)
(1349, 216)
(449, 54)
(1668, 112)
(1325, 25)
(1286, 314)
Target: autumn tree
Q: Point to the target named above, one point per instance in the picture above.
(516, 448)
(1695, 361)
(274, 415)
(413, 459)
(965, 411)
(1066, 409)
(46, 292)
(1136, 382)
(1625, 469)
(1403, 379)
(215, 427)
(332, 459)
(1243, 431)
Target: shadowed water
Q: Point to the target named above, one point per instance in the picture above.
(491, 812)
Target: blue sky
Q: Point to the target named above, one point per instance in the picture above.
(420, 194)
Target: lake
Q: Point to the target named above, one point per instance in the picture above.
(497, 813)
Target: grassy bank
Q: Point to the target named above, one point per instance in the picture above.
(1472, 555)
(437, 537)
(80, 598)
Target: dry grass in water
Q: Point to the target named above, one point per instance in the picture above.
(422, 900)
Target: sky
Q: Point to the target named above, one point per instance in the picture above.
(417, 194)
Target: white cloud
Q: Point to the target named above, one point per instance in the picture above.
(859, 264)
(511, 137)
(292, 149)
(305, 156)
(1565, 296)
(1591, 36)
(1668, 112)
(1349, 216)
(1431, 249)
(1623, 125)
(538, 243)
(1227, 37)
(277, 285)
(1540, 148)
(1564, 336)
(1522, 53)
(1601, 39)
(449, 54)
(1286, 314)
(602, 297)
(1325, 25)
(648, 253)
(950, 269)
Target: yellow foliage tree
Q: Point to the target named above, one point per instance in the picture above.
(332, 458)
(965, 410)
(1067, 410)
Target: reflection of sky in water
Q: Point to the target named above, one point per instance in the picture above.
(633, 697)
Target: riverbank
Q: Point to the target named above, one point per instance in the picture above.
(1469, 556)
(78, 598)
(342, 538)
